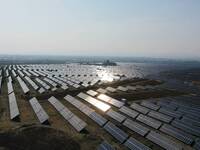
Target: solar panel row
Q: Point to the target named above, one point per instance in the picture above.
(86, 110)
(75, 121)
(115, 115)
(139, 108)
(163, 141)
(149, 121)
(186, 127)
(193, 122)
(92, 93)
(110, 89)
(23, 85)
(150, 105)
(39, 111)
(110, 100)
(116, 132)
(50, 82)
(131, 113)
(100, 90)
(197, 144)
(160, 116)
(121, 88)
(134, 144)
(179, 134)
(136, 127)
(44, 85)
(100, 105)
(105, 146)
(10, 87)
(14, 110)
(31, 83)
(171, 113)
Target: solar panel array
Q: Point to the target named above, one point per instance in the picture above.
(179, 118)
(168, 122)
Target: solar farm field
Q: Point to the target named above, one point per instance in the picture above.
(93, 107)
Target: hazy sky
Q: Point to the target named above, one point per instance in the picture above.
(149, 28)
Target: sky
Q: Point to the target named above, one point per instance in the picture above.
(138, 28)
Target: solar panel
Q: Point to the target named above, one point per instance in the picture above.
(115, 115)
(75, 121)
(166, 105)
(110, 89)
(110, 100)
(47, 87)
(149, 121)
(41, 90)
(131, 113)
(186, 127)
(163, 141)
(105, 146)
(178, 134)
(171, 113)
(139, 108)
(100, 105)
(39, 111)
(10, 87)
(31, 83)
(190, 112)
(98, 118)
(86, 110)
(197, 144)
(117, 133)
(136, 127)
(121, 88)
(0, 82)
(100, 90)
(14, 111)
(13, 73)
(50, 82)
(150, 105)
(160, 116)
(24, 87)
(188, 120)
(92, 93)
(134, 144)
(131, 88)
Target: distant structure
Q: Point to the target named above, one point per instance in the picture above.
(109, 63)
(105, 63)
